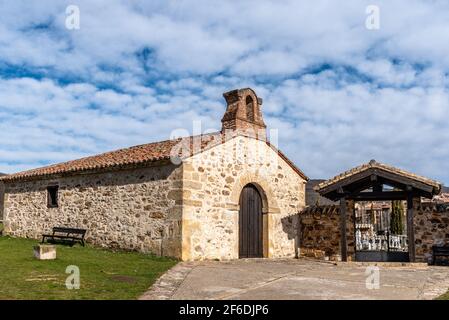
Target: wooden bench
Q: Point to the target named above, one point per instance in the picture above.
(71, 235)
(439, 251)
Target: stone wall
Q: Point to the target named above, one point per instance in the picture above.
(2, 199)
(138, 209)
(319, 231)
(431, 223)
(213, 181)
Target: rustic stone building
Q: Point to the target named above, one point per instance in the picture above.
(217, 196)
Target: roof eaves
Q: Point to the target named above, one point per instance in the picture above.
(376, 165)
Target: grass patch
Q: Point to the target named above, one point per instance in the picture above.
(104, 274)
(444, 296)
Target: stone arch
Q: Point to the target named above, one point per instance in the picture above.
(269, 207)
(269, 203)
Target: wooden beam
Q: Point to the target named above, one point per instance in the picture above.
(377, 187)
(378, 196)
(410, 228)
(380, 176)
(347, 181)
(344, 245)
(406, 181)
(360, 188)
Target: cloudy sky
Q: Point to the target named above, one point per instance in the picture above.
(339, 94)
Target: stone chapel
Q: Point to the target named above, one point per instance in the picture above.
(224, 195)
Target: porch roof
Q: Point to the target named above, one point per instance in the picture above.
(374, 175)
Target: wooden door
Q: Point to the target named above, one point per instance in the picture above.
(250, 223)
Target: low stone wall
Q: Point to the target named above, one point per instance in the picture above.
(319, 232)
(431, 228)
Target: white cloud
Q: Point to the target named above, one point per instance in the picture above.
(340, 94)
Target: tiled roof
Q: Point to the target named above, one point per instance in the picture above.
(122, 158)
(381, 166)
(134, 156)
(320, 209)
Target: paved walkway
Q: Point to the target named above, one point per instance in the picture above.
(296, 279)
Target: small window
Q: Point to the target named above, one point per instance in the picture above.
(52, 196)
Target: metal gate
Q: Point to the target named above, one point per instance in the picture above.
(373, 237)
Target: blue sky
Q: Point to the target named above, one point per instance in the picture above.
(338, 93)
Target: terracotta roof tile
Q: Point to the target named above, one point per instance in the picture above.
(320, 210)
(381, 166)
(135, 156)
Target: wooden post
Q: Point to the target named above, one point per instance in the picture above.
(410, 228)
(344, 246)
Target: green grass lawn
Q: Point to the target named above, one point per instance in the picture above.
(104, 274)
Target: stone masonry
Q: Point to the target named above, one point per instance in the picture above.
(319, 231)
(431, 228)
(136, 209)
(212, 183)
(2, 199)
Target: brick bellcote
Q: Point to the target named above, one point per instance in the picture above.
(243, 113)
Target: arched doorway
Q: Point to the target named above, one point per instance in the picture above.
(250, 223)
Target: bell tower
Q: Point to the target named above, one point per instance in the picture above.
(243, 113)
